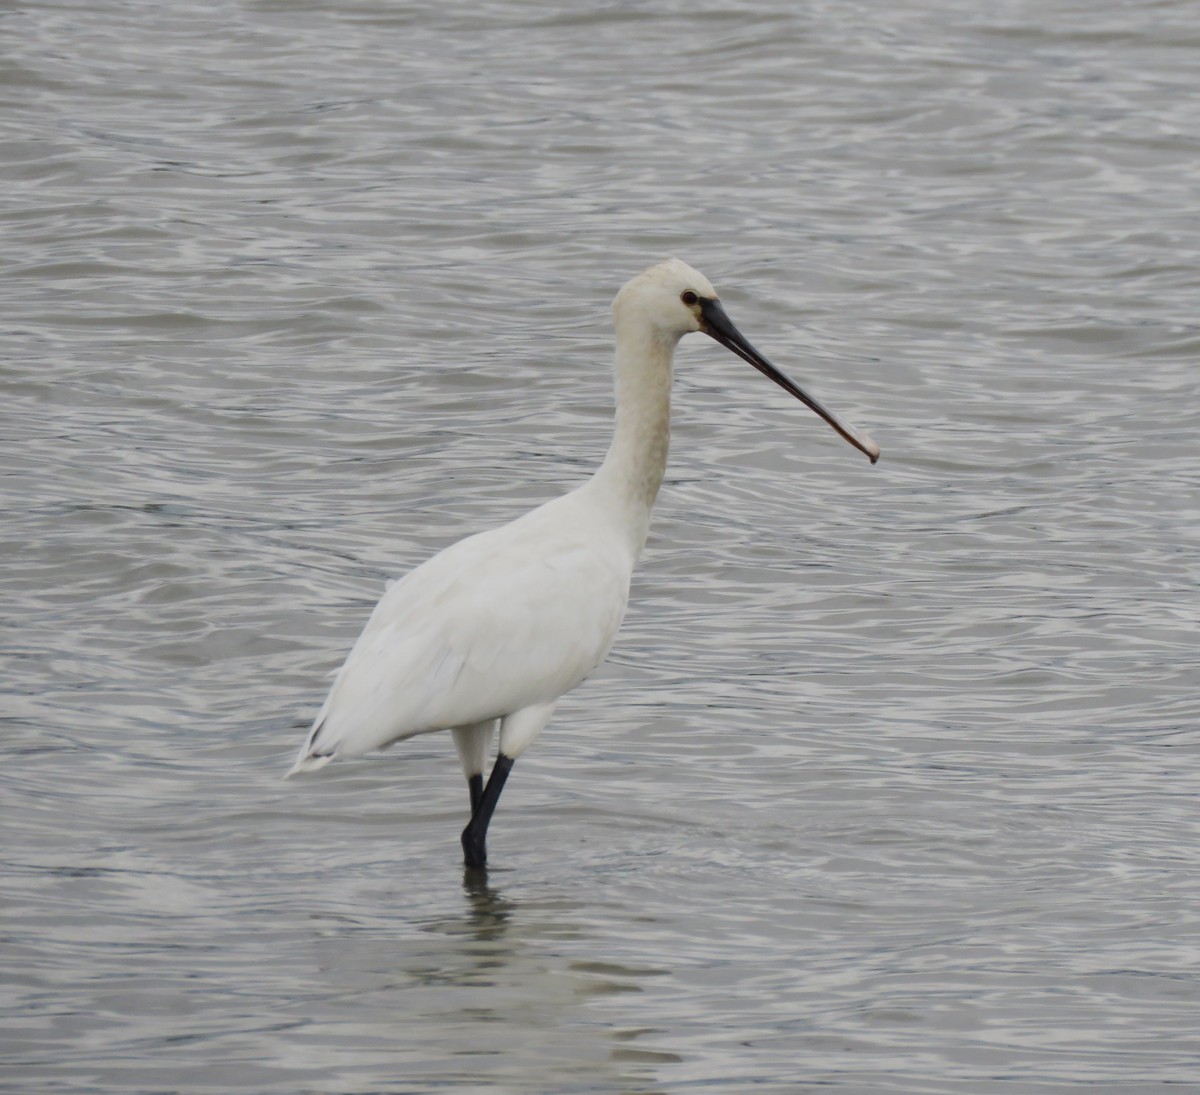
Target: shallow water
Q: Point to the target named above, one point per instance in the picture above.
(890, 783)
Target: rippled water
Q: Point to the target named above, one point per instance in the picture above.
(890, 784)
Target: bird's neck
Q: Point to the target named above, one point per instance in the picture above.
(633, 470)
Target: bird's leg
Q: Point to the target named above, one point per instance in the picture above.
(473, 742)
(474, 836)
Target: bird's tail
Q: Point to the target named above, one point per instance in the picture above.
(308, 762)
(311, 755)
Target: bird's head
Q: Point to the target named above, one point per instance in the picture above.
(668, 297)
(673, 300)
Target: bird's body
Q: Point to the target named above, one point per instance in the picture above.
(495, 628)
(500, 622)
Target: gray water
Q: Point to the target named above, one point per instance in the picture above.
(890, 784)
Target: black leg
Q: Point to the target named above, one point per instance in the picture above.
(474, 836)
(475, 786)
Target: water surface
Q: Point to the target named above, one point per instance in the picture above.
(890, 783)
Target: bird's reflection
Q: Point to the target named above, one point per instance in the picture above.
(488, 910)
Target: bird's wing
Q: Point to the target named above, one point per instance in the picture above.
(497, 622)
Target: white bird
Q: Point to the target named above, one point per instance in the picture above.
(494, 629)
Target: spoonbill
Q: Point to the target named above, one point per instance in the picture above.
(495, 628)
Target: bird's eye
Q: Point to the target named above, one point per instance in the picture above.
(688, 297)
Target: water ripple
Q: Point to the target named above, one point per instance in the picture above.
(890, 781)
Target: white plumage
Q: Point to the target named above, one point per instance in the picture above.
(497, 623)
(498, 626)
